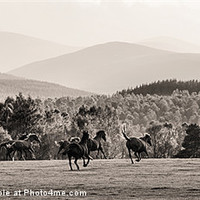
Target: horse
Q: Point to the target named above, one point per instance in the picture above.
(137, 145)
(95, 143)
(25, 145)
(63, 144)
(7, 145)
(78, 151)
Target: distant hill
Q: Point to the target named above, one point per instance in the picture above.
(113, 66)
(171, 44)
(103, 68)
(165, 87)
(17, 50)
(11, 86)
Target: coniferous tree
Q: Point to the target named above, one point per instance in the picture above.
(19, 116)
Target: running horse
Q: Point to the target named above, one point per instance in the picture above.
(95, 143)
(25, 145)
(7, 145)
(78, 151)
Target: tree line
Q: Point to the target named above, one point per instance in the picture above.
(172, 121)
(165, 87)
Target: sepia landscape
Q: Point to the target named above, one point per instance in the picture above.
(99, 100)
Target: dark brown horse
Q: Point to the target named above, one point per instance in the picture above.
(63, 144)
(78, 151)
(95, 143)
(137, 145)
(25, 145)
(8, 146)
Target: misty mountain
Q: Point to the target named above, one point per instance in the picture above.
(97, 68)
(17, 50)
(114, 66)
(11, 86)
(171, 44)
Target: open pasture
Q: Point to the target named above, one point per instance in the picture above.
(105, 179)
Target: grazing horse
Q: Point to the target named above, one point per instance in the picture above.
(95, 143)
(63, 144)
(8, 146)
(137, 145)
(78, 151)
(25, 145)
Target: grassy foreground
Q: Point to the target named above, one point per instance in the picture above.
(103, 179)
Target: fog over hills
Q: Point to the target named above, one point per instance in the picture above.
(11, 86)
(171, 44)
(113, 66)
(102, 68)
(17, 50)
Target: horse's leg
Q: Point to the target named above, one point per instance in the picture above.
(84, 164)
(87, 162)
(137, 155)
(70, 162)
(75, 161)
(103, 153)
(8, 155)
(129, 151)
(13, 156)
(97, 156)
(26, 154)
(140, 156)
(21, 155)
(146, 153)
(89, 158)
(32, 153)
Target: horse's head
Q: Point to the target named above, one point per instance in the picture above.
(147, 138)
(33, 137)
(85, 136)
(102, 134)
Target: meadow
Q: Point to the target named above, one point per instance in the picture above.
(102, 179)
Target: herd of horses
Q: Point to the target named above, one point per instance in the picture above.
(77, 148)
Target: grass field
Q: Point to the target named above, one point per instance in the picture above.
(104, 179)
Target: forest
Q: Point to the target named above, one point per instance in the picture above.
(165, 87)
(171, 120)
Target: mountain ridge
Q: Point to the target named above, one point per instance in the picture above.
(171, 44)
(11, 86)
(110, 67)
(25, 49)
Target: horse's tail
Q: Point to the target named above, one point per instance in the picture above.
(124, 132)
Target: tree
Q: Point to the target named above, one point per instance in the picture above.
(19, 116)
(191, 143)
(153, 130)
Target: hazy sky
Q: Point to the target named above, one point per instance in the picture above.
(83, 23)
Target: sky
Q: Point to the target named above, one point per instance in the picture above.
(86, 23)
